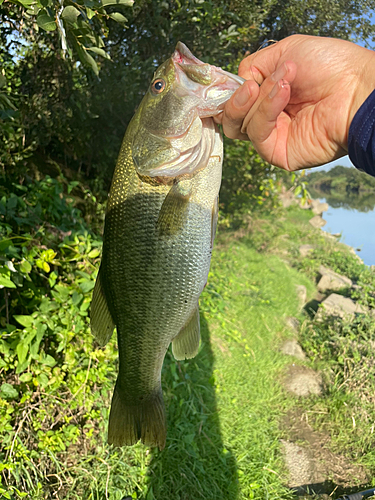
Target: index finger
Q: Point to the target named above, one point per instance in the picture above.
(262, 63)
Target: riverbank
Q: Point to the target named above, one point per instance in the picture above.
(329, 441)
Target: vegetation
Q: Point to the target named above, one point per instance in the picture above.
(70, 71)
(343, 187)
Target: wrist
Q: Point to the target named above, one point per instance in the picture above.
(365, 86)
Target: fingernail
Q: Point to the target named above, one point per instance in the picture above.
(242, 96)
(279, 73)
(274, 91)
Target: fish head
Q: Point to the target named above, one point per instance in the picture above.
(175, 131)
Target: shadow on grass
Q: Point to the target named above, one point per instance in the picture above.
(194, 464)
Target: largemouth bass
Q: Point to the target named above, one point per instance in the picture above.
(159, 231)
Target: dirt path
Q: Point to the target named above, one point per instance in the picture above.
(314, 471)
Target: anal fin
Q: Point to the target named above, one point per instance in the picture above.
(186, 344)
(101, 322)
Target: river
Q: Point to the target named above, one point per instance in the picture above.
(357, 229)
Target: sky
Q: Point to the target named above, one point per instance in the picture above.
(344, 162)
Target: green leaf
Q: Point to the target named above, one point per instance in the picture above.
(22, 350)
(70, 14)
(119, 18)
(24, 320)
(6, 282)
(7, 391)
(129, 3)
(87, 285)
(52, 279)
(25, 267)
(90, 13)
(3, 81)
(102, 53)
(26, 377)
(45, 21)
(42, 379)
(86, 59)
(77, 298)
(49, 361)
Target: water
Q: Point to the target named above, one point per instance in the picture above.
(357, 229)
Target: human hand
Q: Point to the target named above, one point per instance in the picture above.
(310, 89)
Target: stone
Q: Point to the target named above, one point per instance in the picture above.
(300, 464)
(292, 323)
(292, 348)
(304, 250)
(339, 306)
(329, 236)
(317, 221)
(302, 294)
(287, 199)
(303, 381)
(332, 281)
(318, 208)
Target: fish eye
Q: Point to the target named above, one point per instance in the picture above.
(158, 86)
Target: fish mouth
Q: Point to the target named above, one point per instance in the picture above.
(211, 84)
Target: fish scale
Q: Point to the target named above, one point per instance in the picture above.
(158, 237)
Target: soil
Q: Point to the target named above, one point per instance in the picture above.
(314, 471)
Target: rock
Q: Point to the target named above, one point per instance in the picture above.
(303, 381)
(304, 250)
(302, 294)
(339, 306)
(317, 221)
(300, 464)
(332, 281)
(293, 323)
(329, 236)
(292, 348)
(287, 199)
(318, 208)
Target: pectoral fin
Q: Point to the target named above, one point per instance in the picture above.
(186, 344)
(173, 212)
(102, 324)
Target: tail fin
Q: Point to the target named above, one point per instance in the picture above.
(130, 423)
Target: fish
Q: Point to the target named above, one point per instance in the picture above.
(159, 230)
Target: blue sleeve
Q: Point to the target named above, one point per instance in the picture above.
(361, 140)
